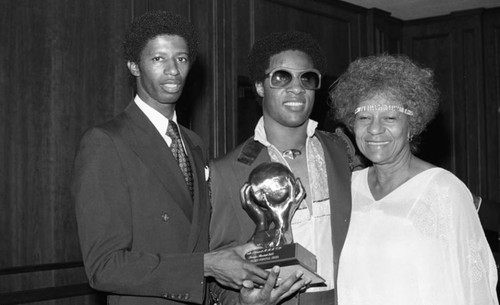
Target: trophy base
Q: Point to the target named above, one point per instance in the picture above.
(290, 258)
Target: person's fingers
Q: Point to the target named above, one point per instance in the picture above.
(294, 289)
(291, 280)
(257, 274)
(306, 285)
(248, 284)
(292, 284)
(259, 279)
(271, 280)
(245, 291)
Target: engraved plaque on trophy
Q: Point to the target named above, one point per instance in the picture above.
(270, 197)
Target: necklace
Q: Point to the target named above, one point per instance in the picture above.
(292, 153)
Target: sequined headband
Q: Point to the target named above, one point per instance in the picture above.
(383, 108)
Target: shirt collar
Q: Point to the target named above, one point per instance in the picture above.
(158, 119)
(260, 132)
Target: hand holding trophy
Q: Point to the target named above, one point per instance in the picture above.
(270, 197)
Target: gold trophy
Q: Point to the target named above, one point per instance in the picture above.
(270, 197)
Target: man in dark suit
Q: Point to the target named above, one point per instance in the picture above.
(285, 68)
(140, 186)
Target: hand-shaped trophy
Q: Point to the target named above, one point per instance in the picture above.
(270, 197)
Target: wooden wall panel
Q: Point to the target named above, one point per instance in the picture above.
(452, 48)
(384, 33)
(63, 73)
(472, 90)
(492, 101)
(217, 109)
(437, 144)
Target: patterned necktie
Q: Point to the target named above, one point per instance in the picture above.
(180, 155)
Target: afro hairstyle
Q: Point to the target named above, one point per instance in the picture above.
(259, 58)
(395, 76)
(153, 24)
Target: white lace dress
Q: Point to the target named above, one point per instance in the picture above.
(421, 244)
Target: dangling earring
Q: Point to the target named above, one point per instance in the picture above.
(410, 138)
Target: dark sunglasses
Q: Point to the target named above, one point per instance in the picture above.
(281, 78)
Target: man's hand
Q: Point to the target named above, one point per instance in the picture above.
(271, 294)
(229, 267)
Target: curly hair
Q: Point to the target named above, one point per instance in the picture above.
(153, 24)
(396, 76)
(259, 58)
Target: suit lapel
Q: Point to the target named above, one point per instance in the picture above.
(151, 148)
(200, 204)
(340, 201)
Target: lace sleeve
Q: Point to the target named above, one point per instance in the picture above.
(470, 263)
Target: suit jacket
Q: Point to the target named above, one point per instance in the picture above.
(230, 224)
(142, 237)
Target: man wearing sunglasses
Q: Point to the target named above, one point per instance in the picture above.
(286, 71)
